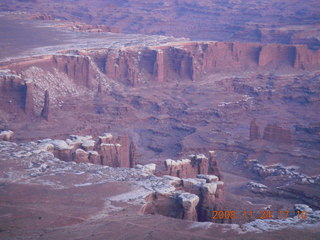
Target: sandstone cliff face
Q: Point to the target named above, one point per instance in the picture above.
(276, 134)
(306, 58)
(275, 56)
(132, 66)
(77, 67)
(191, 61)
(16, 94)
(119, 152)
(272, 133)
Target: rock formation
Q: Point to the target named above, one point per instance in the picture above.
(80, 156)
(77, 67)
(191, 168)
(306, 58)
(6, 135)
(29, 169)
(109, 151)
(254, 130)
(195, 201)
(275, 56)
(276, 134)
(16, 93)
(188, 201)
(214, 168)
(132, 154)
(191, 61)
(28, 97)
(46, 111)
(191, 175)
(110, 154)
(197, 164)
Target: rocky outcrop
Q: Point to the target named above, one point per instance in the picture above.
(307, 194)
(45, 110)
(110, 154)
(192, 167)
(197, 164)
(188, 202)
(210, 192)
(213, 165)
(6, 135)
(149, 168)
(80, 156)
(194, 198)
(278, 171)
(109, 151)
(16, 93)
(119, 152)
(94, 157)
(191, 175)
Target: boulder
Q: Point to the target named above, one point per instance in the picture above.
(6, 135)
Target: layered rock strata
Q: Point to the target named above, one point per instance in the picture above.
(16, 93)
(193, 60)
(106, 151)
(194, 198)
(93, 70)
(196, 164)
(272, 133)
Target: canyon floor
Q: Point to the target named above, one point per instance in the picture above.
(255, 104)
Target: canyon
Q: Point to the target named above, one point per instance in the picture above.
(106, 131)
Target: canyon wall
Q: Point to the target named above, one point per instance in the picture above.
(193, 60)
(77, 67)
(94, 69)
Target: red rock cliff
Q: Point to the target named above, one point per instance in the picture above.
(16, 94)
(193, 60)
(77, 67)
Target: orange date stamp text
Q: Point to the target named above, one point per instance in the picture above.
(263, 214)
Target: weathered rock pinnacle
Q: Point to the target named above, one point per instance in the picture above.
(45, 111)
